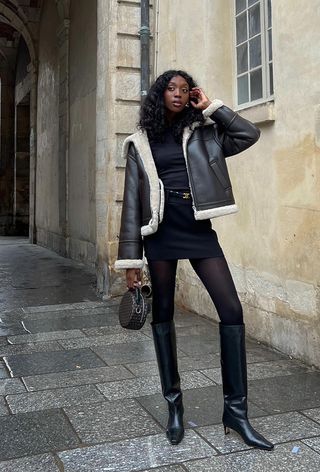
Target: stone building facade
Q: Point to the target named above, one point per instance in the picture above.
(70, 94)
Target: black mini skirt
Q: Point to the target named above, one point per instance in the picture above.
(179, 235)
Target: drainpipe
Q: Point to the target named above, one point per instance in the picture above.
(145, 48)
(145, 78)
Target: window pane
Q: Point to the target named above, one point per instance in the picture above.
(255, 51)
(271, 78)
(254, 20)
(242, 58)
(269, 14)
(242, 28)
(251, 2)
(243, 89)
(240, 5)
(256, 84)
(270, 44)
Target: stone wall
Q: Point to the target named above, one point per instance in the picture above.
(82, 130)
(65, 193)
(118, 102)
(49, 231)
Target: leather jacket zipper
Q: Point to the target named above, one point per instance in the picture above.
(190, 181)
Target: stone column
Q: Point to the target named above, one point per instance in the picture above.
(33, 69)
(7, 153)
(21, 167)
(63, 42)
(103, 112)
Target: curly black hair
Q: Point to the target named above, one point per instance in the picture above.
(153, 112)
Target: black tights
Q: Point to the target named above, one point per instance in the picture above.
(215, 276)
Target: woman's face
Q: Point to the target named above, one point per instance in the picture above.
(176, 95)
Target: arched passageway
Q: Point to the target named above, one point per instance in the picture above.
(18, 94)
(48, 124)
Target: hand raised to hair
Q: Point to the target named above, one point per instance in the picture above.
(202, 100)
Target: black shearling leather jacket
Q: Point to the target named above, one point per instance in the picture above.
(205, 147)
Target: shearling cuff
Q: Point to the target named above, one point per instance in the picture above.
(215, 212)
(212, 107)
(128, 264)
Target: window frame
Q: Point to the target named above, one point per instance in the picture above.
(264, 58)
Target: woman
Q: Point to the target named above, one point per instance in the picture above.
(176, 180)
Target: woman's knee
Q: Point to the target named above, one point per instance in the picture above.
(163, 306)
(231, 313)
(162, 314)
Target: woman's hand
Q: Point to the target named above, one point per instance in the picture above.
(201, 100)
(133, 277)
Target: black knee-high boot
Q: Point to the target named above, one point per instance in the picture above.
(234, 381)
(164, 336)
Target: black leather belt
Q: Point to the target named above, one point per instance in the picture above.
(185, 195)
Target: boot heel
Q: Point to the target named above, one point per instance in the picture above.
(226, 430)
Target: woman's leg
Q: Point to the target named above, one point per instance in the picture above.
(163, 277)
(215, 275)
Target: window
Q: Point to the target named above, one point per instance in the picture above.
(253, 38)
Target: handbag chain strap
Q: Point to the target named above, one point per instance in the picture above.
(140, 302)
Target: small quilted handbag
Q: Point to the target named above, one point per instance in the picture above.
(133, 309)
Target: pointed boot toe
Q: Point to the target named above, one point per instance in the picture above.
(175, 428)
(243, 427)
(249, 435)
(258, 441)
(175, 435)
(264, 444)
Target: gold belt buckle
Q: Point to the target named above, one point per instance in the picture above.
(186, 195)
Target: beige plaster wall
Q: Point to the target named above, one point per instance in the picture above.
(82, 131)
(47, 177)
(280, 284)
(290, 319)
(272, 244)
(195, 35)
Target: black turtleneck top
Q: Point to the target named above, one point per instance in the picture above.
(170, 162)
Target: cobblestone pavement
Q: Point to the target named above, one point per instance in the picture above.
(79, 393)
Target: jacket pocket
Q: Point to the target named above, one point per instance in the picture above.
(224, 181)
